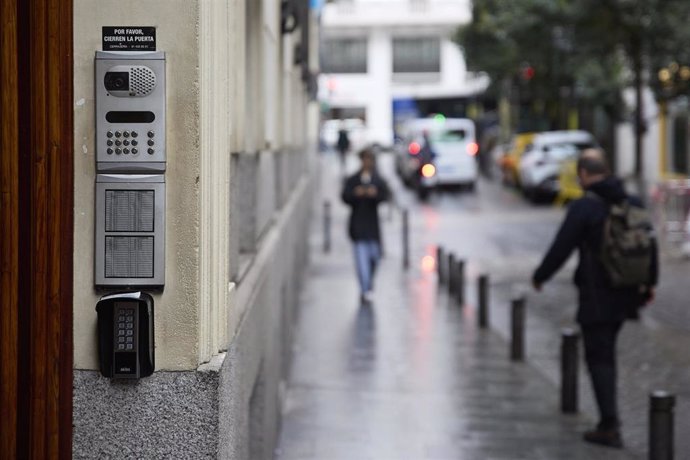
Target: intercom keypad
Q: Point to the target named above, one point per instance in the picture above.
(125, 326)
(130, 105)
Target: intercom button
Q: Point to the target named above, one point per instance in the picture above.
(135, 134)
(120, 340)
(150, 134)
(130, 339)
(118, 134)
(130, 346)
(118, 143)
(109, 143)
(118, 151)
(151, 143)
(109, 151)
(121, 332)
(151, 151)
(135, 151)
(125, 142)
(135, 143)
(126, 151)
(109, 134)
(121, 346)
(126, 134)
(130, 333)
(130, 326)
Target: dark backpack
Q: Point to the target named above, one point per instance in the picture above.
(627, 245)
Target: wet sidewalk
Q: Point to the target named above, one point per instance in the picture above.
(411, 376)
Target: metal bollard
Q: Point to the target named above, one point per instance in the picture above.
(569, 370)
(327, 226)
(406, 239)
(517, 339)
(661, 404)
(483, 287)
(440, 268)
(460, 281)
(451, 273)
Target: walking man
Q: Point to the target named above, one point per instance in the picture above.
(605, 299)
(364, 191)
(343, 145)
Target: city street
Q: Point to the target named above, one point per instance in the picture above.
(413, 377)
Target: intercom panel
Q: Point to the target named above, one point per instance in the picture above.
(126, 335)
(130, 230)
(130, 111)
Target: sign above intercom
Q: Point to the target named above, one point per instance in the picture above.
(129, 38)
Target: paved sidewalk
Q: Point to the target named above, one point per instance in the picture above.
(411, 377)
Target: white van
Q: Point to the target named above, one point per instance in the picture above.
(453, 141)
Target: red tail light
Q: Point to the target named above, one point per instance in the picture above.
(414, 148)
(472, 148)
(428, 170)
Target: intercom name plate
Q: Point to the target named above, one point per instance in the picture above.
(130, 111)
(130, 230)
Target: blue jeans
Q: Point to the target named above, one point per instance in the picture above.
(367, 255)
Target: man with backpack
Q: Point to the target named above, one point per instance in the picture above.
(615, 276)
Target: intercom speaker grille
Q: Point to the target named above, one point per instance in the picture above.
(129, 210)
(142, 80)
(129, 256)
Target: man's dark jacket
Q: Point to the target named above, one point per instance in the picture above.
(583, 229)
(364, 219)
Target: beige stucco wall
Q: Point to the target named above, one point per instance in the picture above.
(225, 95)
(177, 315)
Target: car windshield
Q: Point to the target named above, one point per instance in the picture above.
(450, 135)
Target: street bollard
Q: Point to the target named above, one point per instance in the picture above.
(517, 340)
(569, 370)
(406, 239)
(440, 268)
(661, 404)
(327, 226)
(451, 274)
(460, 281)
(483, 287)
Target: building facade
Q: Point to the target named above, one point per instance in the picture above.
(387, 60)
(240, 130)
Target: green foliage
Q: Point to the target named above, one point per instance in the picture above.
(594, 47)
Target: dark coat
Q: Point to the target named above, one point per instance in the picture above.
(583, 230)
(364, 219)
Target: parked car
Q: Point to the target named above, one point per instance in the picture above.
(509, 163)
(454, 148)
(541, 162)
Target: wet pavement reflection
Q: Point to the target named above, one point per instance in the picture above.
(411, 376)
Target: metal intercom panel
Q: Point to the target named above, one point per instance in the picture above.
(130, 230)
(130, 111)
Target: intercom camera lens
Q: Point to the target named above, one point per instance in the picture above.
(116, 81)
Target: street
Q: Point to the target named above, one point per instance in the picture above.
(413, 377)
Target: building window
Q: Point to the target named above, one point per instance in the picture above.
(344, 55)
(415, 55)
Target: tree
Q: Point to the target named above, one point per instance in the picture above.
(596, 47)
